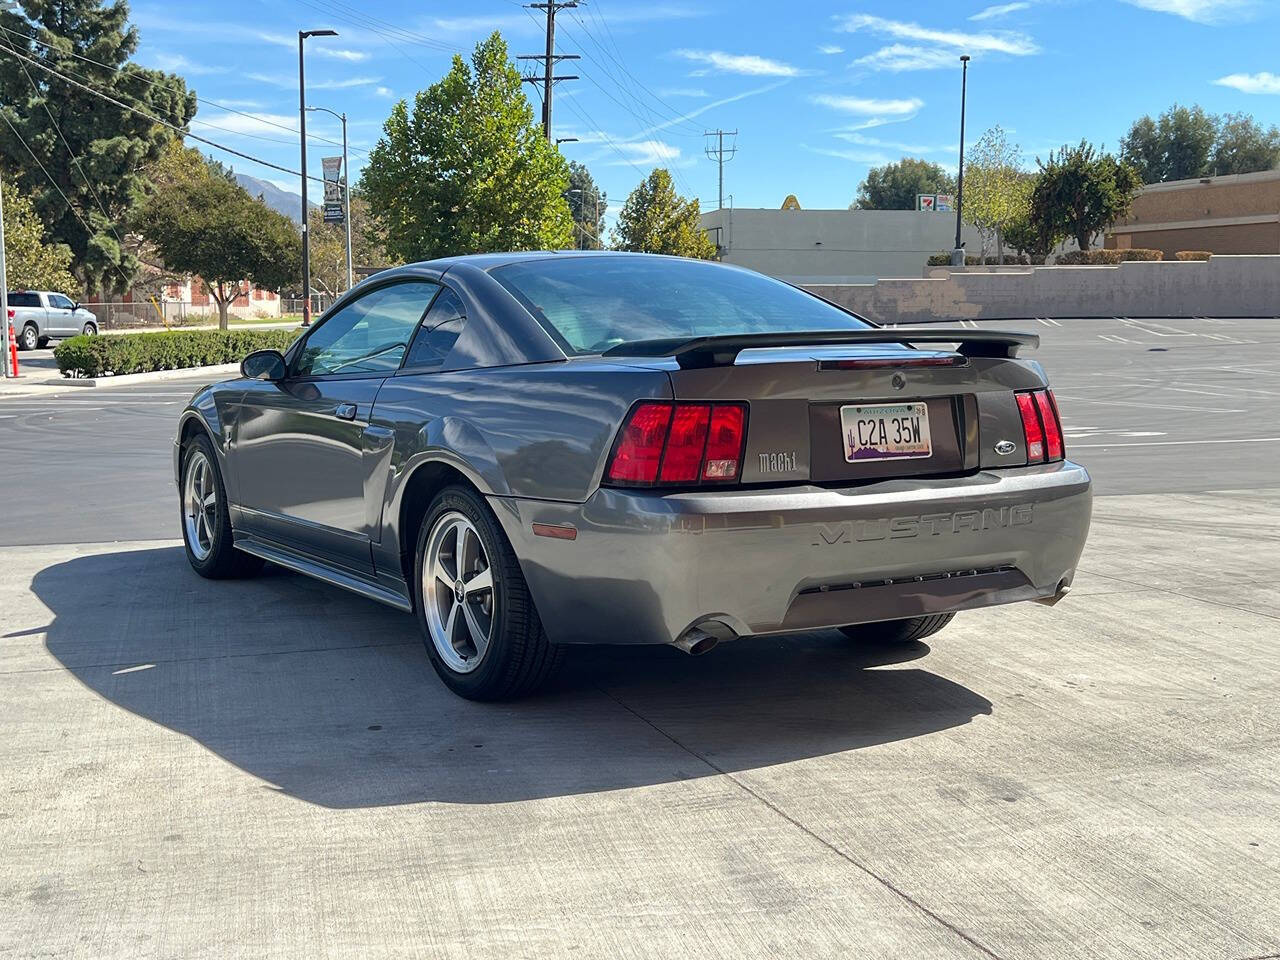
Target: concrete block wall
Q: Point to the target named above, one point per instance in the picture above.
(1224, 286)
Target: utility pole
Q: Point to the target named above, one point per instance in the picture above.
(957, 255)
(302, 131)
(549, 60)
(721, 156)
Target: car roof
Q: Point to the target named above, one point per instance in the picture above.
(491, 261)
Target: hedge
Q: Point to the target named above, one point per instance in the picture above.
(1108, 257)
(144, 352)
(944, 260)
(1192, 255)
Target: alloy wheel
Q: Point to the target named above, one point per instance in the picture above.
(457, 590)
(199, 505)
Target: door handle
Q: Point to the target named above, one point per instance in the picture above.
(346, 411)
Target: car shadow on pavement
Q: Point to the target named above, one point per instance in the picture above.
(331, 699)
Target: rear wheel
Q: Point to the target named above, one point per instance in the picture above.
(29, 339)
(480, 627)
(206, 522)
(898, 631)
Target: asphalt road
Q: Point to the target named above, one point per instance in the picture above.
(269, 767)
(1148, 406)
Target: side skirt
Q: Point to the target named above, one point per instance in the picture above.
(323, 571)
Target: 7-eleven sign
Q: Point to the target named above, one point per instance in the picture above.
(927, 201)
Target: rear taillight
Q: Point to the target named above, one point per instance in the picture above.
(679, 444)
(1041, 427)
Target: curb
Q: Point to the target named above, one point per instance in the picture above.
(130, 378)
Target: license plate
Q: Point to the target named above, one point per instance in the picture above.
(885, 431)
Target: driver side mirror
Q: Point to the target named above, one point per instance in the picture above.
(263, 365)
(75, 306)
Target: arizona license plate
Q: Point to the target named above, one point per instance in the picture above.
(885, 431)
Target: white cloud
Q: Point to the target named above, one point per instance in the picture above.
(1015, 44)
(855, 156)
(830, 48)
(263, 123)
(743, 63)
(177, 63)
(291, 82)
(915, 149)
(1251, 82)
(1200, 11)
(869, 106)
(1000, 10)
(696, 92)
(645, 152)
(319, 48)
(484, 24)
(900, 56)
(384, 92)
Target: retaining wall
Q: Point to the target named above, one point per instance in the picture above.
(1223, 286)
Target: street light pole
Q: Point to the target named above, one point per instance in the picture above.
(302, 136)
(346, 186)
(957, 254)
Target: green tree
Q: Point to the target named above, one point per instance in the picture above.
(468, 170)
(202, 224)
(895, 185)
(329, 245)
(996, 192)
(98, 158)
(31, 262)
(1244, 146)
(1079, 192)
(656, 219)
(586, 205)
(1177, 146)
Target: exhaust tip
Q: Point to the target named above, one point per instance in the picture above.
(696, 642)
(1063, 589)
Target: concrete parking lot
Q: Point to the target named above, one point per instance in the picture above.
(271, 768)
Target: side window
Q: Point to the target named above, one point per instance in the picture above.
(439, 331)
(61, 302)
(369, 335)
(24, 300)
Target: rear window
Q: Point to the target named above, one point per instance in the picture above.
(594, 303)
(24, 299)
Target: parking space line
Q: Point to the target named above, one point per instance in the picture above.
(1148, 406)
(1174, 443)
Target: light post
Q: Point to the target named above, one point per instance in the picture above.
(957, 255)
(346, 184)
(302, 136)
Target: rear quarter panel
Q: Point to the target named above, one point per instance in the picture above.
(539, 431)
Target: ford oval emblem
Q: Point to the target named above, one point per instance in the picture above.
(1006, 447)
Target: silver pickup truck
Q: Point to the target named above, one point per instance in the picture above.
(38, 315)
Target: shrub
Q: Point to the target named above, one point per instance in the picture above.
(144, 352)
(944, 260)
(940, 260)
(1192, 255)
(1108, 257)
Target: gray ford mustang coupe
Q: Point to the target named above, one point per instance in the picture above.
(538, 449)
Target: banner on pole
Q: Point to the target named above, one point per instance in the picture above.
(332, 189)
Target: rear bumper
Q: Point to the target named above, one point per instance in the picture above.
(645, 568)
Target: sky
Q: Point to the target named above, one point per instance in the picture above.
(817, 91)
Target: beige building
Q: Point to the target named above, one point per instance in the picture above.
(1233, 214)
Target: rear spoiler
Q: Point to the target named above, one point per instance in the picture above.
(723, 351)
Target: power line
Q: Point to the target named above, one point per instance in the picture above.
(199, 99)
(163, 123)
(65, 199)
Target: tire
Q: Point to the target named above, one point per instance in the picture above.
(90, 329)
(898, 631)
(29, 338)
(206, 534)
(514, 657)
